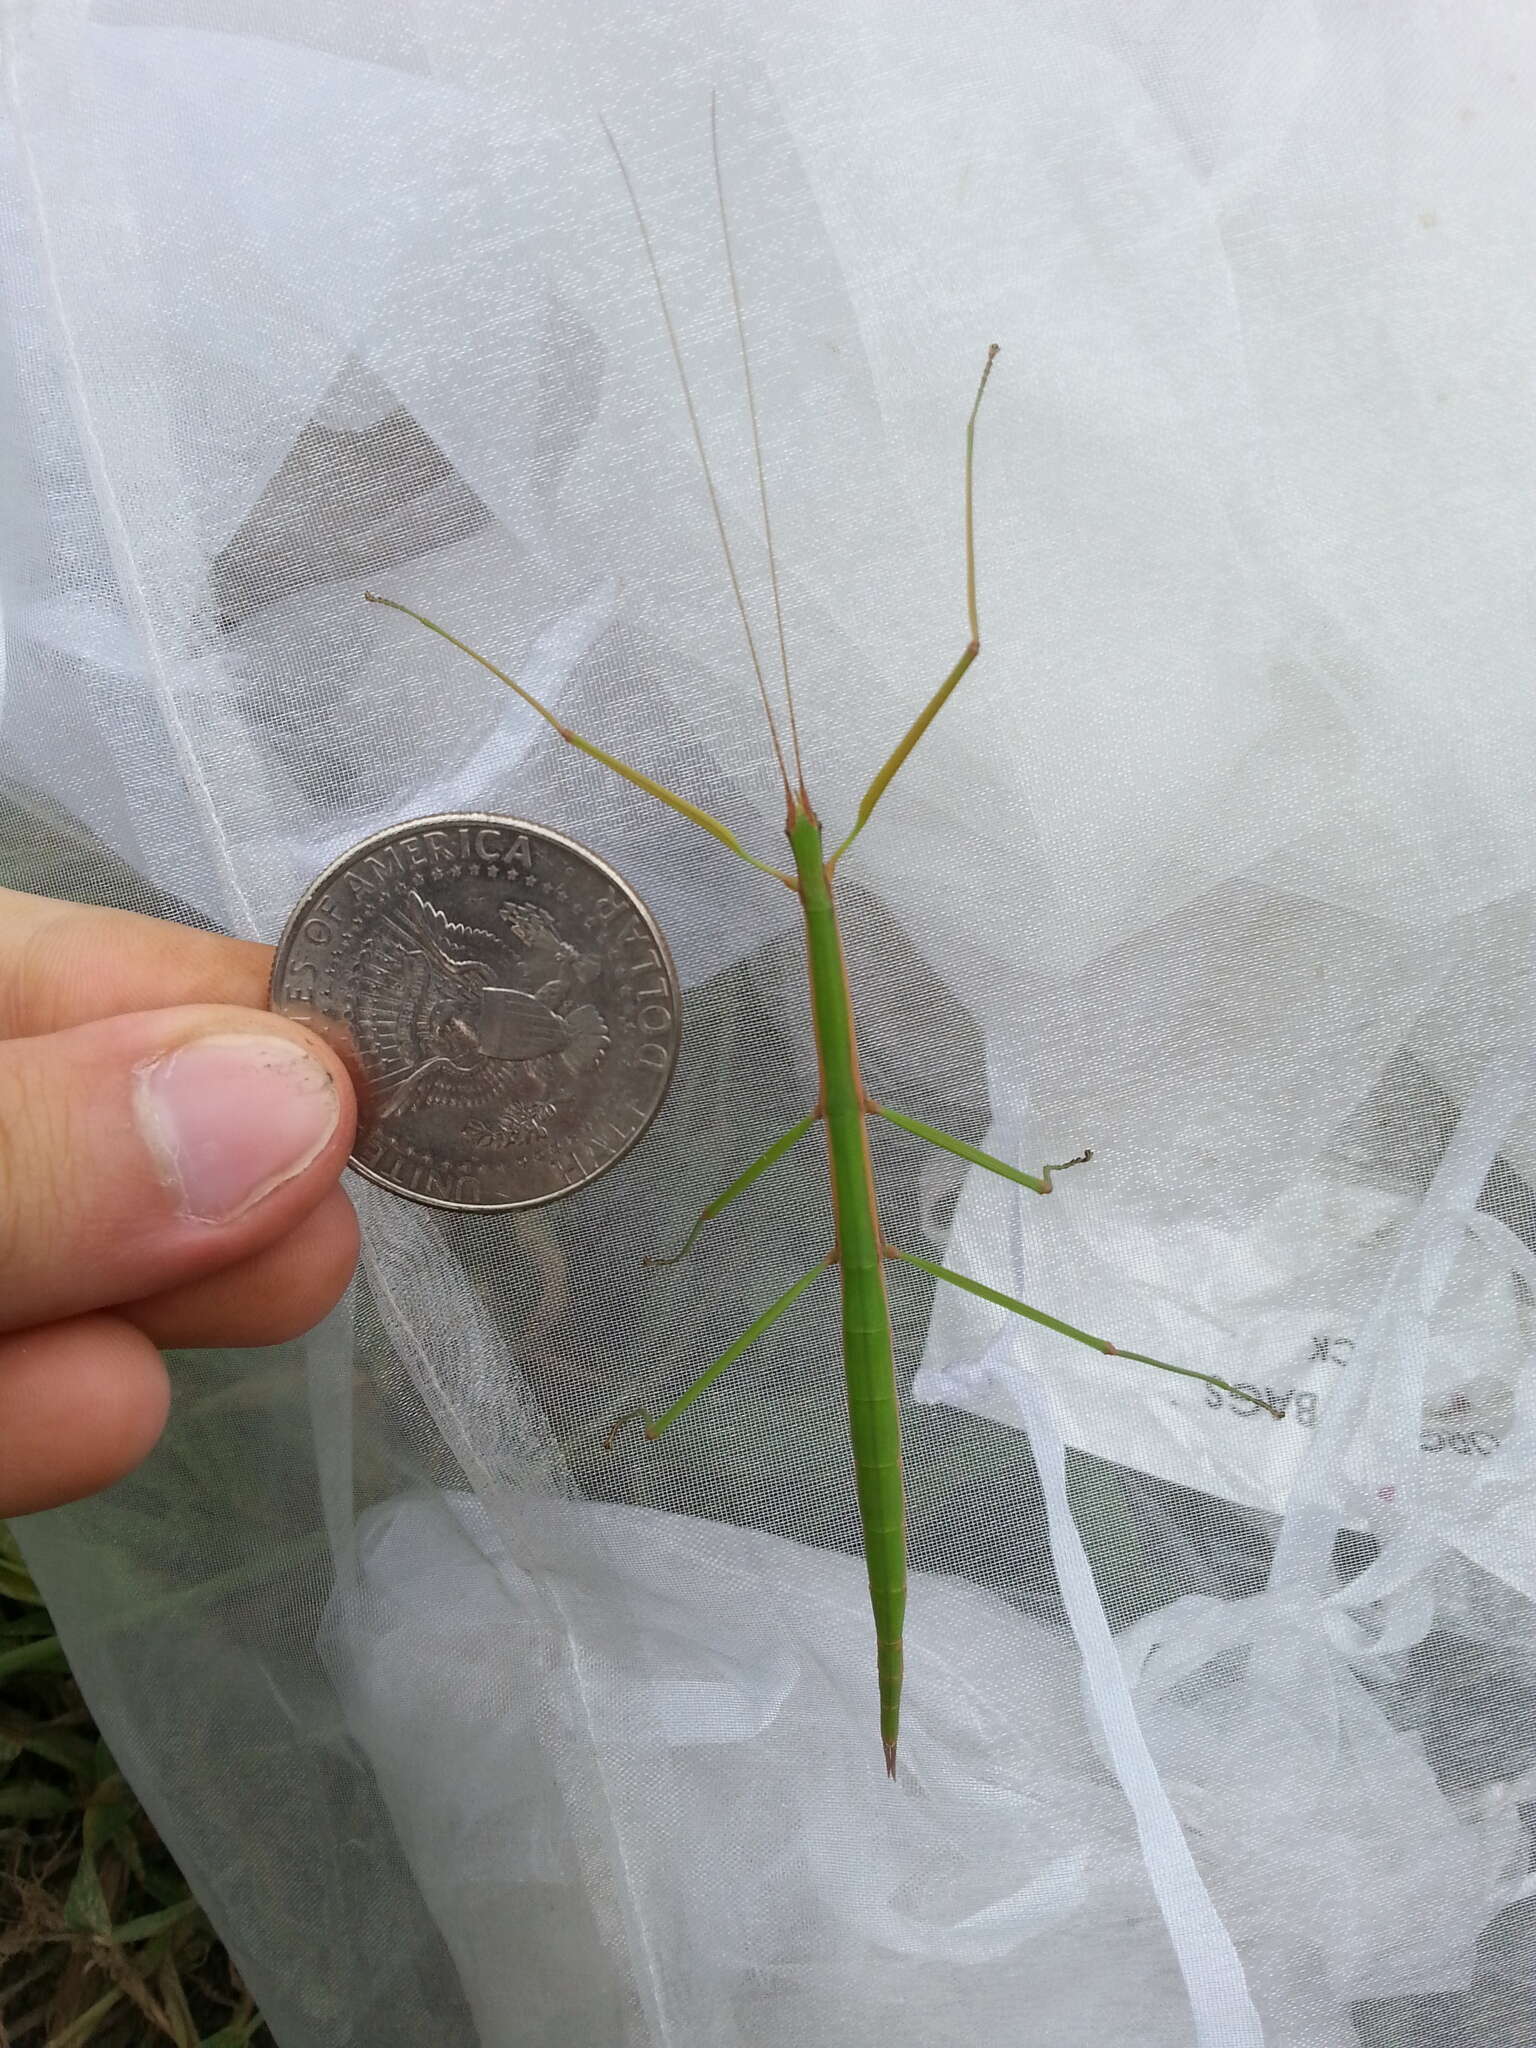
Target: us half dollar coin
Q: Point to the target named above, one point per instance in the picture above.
(505, 1003)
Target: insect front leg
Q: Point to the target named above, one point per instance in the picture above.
(951, 682)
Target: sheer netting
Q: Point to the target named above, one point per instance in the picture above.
(468, 1729)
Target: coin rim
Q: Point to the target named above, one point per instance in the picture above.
(305, 905)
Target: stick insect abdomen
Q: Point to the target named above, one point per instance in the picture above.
(868, 1360)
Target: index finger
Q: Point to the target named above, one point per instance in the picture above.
(63, 964)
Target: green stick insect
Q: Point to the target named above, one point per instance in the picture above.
(860, 1248)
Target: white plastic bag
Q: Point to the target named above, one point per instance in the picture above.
(1220, 863)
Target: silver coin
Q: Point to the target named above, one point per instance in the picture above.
(505, 1003)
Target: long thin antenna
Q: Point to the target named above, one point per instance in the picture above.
(757, 439)
(970, 498)
(698, 442)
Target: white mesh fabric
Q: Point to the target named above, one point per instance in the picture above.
(1217, 1727)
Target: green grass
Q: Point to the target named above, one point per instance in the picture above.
(101, 1942)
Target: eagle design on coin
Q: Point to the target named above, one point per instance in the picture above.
(456, 1009)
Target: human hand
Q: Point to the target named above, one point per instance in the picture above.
(167, 1177)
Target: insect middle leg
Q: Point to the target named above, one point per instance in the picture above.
(1040, 1182)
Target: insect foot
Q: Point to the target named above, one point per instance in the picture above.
(1082, 1159)
(631, 1415)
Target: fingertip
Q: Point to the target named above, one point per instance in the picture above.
(141, 1153)
(229, 1117)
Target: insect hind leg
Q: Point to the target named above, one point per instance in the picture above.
(655, 1425)
(739, 1186)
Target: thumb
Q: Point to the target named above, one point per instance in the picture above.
(140, 1152)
